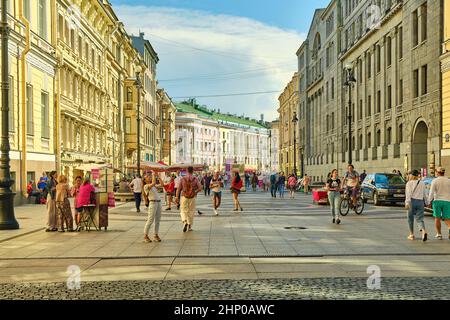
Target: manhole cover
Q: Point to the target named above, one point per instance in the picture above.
(295, 228)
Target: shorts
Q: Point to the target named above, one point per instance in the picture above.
(441, 209)
(235, 191)
(170, 193)
(217, 194)
(353, 191)
(79, 210)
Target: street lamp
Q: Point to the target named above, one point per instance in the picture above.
(7, 218)
(170, 138)
(294, 121)
(138, 116)
(348, 83)
(270, 149)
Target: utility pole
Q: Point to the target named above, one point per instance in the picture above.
(7, 218)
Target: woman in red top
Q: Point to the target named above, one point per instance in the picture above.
(170, 191)
(84, 195)
(236, 186)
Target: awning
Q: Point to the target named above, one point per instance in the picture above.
(185, 166)
(148, 165)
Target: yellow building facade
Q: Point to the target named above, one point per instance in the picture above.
(445, 67)
(168, 110)
(32, 80)
(289, 104)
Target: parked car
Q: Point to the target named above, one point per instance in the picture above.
(384, 188)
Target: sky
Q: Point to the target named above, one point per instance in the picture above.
(223, 48)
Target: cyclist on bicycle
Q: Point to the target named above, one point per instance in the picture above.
(351, 183)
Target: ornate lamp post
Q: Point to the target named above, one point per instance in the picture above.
(138, 117)
(7, 218)
(295, 121)
(350, 79)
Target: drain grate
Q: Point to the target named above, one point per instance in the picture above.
(295, 228)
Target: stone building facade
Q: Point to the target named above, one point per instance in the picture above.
(395, 102)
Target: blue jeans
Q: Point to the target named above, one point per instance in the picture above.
(335, 200)
(137, 200)
(416, 209)
(281, 190)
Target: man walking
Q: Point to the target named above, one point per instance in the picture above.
(189, 188)
(440, 196)
(136, 186)
(273, 184)
(207, 184)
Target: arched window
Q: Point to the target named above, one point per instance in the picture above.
(389, 136)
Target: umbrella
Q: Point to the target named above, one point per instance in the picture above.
(148, 165)
(184, 166)
(89, 166)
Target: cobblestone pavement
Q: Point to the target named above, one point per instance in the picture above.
(298, 289)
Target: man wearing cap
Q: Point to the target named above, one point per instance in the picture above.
(440, 195)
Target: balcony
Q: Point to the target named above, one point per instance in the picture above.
(377, 118)
(388, 115)
(399, 110)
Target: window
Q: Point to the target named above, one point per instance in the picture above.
(129, 94)
(378, 101)
(360, 111)
(369, 106)
(424, 83)
(31, 176)
(11, 105)
(416, 83)
(423, 21)
(389, 97)
(60, 26)
(378, 142)
(42, 18)
(400, 43)
(415, 29)
(128, 125)
(378, 58)
(369, 140)
(389, 51)
(400, 92)
(400, 133)
(389, 136)
(29, 106)
(332, 88)
(332, 121)
(27, 9)
(80, 47)
(45, 123)
(369, 65)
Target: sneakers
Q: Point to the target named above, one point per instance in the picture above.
(185, 227)
(199, 212)
(190, 228)
(425, 237)
(216, 212)
(147, 239)
(334, 220)
(156, 238)
(438, 236)
(168, 209)
(338, 221)
(138, 210)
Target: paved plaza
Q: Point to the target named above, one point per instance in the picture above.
(276, 248)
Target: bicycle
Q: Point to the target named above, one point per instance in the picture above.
(346, 204)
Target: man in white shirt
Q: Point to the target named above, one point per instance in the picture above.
(136, 186)
(440, 196)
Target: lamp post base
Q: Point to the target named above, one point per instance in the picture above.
(7, 218)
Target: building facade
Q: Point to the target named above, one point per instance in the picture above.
(168, 110)
(289, 107)
(274, 145)
(395, 104)
(32, 64)
(445, 68)
(150, 113)
(215, 139)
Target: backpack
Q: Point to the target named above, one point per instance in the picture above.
(188, 190)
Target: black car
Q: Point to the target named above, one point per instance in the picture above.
(384, 188)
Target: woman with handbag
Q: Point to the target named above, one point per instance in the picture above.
(63, 205)
(236, 186)
(415, 204)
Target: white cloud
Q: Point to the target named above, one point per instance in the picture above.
(193, 45)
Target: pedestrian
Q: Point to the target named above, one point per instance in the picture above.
(281, 184)
(255, 181)
(266, 182)
(74, 192)
(206, 184)
(52, 223)
(440, 197)
(63, 205)
(177, 186)
(216, 186)
(150, 191)
(415, 204)
(236, 186)
(189, 188)
(85, 196)
(333, 186)
(170, 191)
(306, 181)
(362, 177)
(273, 184)
(136, 186)
(247, 180)
(42, 184)
(292, 181)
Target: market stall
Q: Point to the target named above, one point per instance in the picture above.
(102, 178)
